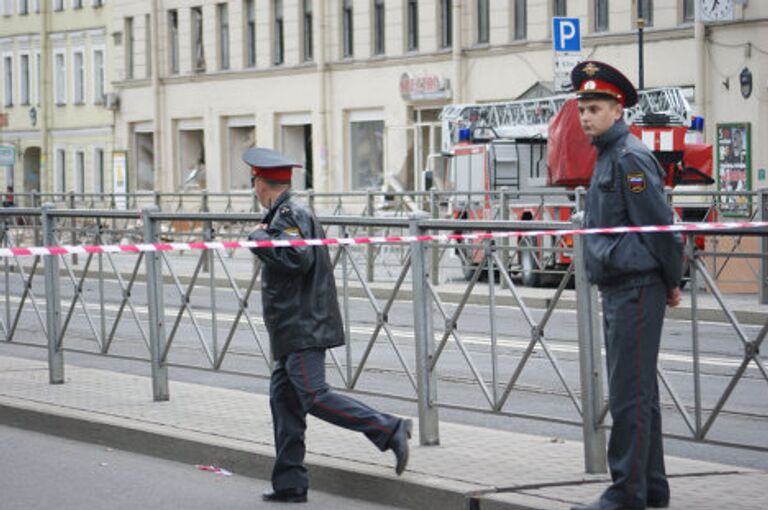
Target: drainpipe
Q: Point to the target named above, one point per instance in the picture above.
(699, 37)
(322, 179)
(46, 103)
(157, 94)
(458, 44)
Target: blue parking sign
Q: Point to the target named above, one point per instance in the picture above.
(566, 35)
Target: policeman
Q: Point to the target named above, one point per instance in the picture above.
(302, 317)
(637, 274)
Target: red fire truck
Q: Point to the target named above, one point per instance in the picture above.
(536, 148)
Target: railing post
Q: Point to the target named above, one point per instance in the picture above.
(53, 300)
(37, 221)
(73, 226)
(157, 336)
(590, 357)
(434, 208)
(762, 200)
(505, 241)
(311, 201)
(692, 254)
(429, 423)
(370, 252)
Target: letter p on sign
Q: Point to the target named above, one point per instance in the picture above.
(566, 35)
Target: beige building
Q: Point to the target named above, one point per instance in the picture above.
(56, 68)
(352, 88)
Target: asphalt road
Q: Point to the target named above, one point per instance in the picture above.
(46, 472)
(539, 391)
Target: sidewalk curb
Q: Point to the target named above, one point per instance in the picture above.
(341, 477)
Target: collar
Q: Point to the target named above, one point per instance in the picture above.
(618, 130)
(284, 197)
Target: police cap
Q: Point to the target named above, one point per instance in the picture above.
(597, 80)
(269, 164)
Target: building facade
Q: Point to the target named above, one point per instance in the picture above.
(56, 65)
(350, 88)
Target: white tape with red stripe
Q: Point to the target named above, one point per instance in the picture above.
(220, 245)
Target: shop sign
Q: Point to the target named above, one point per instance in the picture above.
(424, 88)
(7, 155)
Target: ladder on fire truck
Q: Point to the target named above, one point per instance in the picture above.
(529, 118)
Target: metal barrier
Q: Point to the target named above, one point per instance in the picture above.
(449, 353)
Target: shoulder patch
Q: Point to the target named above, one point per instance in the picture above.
(636, 182)
(293, 231)
(285, 210)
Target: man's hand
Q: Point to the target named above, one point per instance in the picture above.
(673, 297)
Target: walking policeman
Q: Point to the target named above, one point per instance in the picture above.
(302, 316)
(638, 274)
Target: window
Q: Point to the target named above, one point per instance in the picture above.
(80, 171)
(601, 15)
(250, 33)
(347, 40)
(129, 48)
(278, 34)
(198, 53)
(98, 170)
(98, 76)
(60, 77)
(446, 23)
(61, 171)
(173, 41)
(8, 73)
(413, 25)
(483, 21)
(23, 7)
(559, 8)
(78, 77)
(58, 5)
(379, 45)
(222, 14)
(367, 154)
(24, 79)
(646, 11)
(689, 10)
(521, 19)
(307, 34)
(77, 4)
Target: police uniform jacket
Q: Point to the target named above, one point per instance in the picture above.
(627, 188)
(301, 310)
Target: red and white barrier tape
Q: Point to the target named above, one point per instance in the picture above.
(136, 248)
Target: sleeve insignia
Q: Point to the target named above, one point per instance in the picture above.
(293, 231)
(636, 182)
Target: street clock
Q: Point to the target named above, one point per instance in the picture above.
(716, 10)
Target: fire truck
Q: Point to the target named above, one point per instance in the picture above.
(536, 147)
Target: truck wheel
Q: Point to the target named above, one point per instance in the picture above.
(528, 268)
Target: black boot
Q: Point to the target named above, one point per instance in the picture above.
(286, 496)
(398, 443)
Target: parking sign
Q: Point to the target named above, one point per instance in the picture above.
(566, 35)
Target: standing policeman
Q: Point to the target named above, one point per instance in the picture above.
(302, 316)
(637, 274)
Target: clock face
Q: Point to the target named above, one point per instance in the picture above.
(716, 10)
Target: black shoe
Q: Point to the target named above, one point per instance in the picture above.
(600, 504)
(286, 496)
(658, 502)
(398, 443)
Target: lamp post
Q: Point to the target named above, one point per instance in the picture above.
(640, 27)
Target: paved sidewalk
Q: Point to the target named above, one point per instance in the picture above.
(474, 468)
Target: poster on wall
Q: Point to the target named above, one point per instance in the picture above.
(734, 172)
(120, 176)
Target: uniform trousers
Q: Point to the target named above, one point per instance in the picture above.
(298, 387)
(633, 319)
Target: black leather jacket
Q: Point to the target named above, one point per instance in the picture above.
(627, 188)
(298, 290)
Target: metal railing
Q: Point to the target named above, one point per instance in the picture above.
(201, 311)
